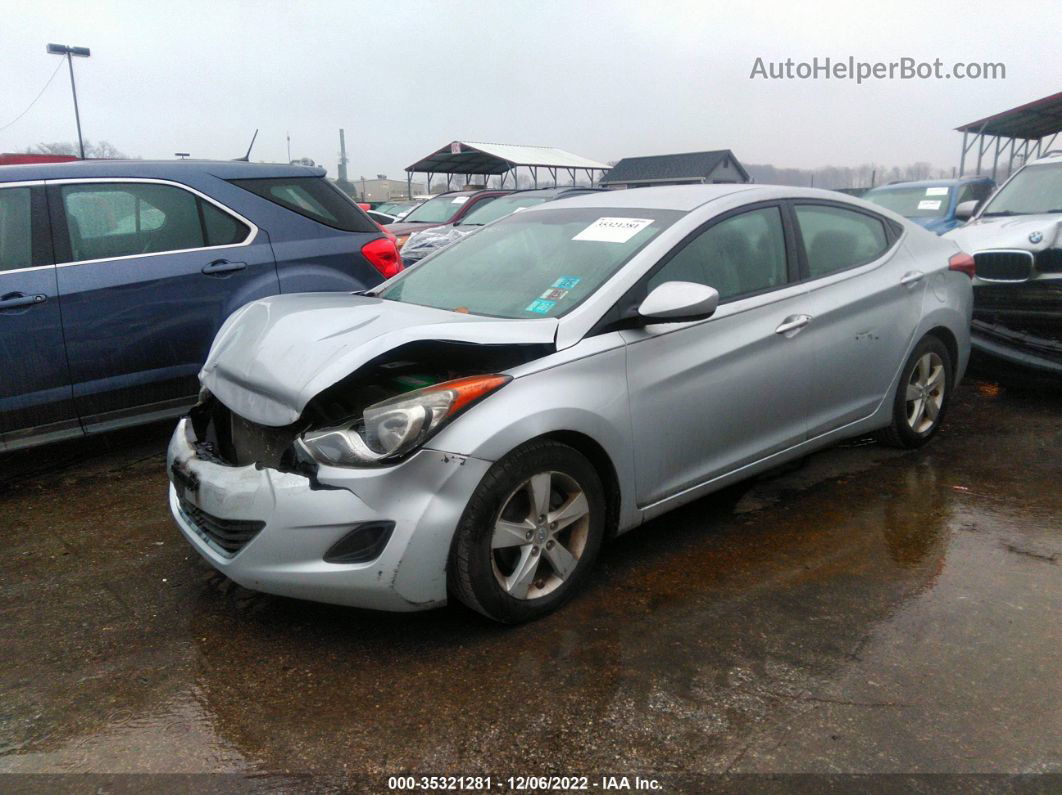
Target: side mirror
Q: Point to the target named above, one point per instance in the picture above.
(679, 302)
(965, 210)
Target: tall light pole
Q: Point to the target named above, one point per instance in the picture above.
(69, 52)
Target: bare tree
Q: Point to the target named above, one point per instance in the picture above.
(104, 150)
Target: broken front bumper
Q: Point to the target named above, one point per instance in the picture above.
(270, 530)
(1017, 328)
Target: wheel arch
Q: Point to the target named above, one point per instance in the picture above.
(602, 462)
(945, 335)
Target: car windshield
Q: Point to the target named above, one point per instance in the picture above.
(1033, 190)
(438, 210)
(912, 202)
(530, 265)
(499, 208)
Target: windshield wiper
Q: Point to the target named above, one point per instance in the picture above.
(999, 213)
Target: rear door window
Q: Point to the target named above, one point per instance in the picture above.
(109, 220)
(836, 239)
(311, 197)
(16, 240)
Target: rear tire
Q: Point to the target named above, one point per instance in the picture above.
(529, 535)
(922, 396)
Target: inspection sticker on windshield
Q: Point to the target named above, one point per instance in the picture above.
(936, 191)
(613, 230)
(929, 204)
(553, 294)
(542, 307)
(567, 282)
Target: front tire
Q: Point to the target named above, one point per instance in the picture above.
(529, 535)
(922, 396)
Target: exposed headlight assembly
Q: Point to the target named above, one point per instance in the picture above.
(391, 428)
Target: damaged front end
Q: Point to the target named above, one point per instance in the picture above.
(1017, 330)
(375, 416)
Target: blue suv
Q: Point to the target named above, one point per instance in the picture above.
(932, 203)
(115, 276)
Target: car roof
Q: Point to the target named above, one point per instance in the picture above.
(154, 169)
(1051, 157)
(552, 192)
(672, 197)
(477, 192)
(933, 183)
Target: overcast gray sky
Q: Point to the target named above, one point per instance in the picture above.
(602, 79)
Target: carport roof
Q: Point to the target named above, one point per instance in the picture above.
(1032, 120)
(472, 157)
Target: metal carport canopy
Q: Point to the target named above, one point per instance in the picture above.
(471, 157)
(1032, 120)
(1035, 125)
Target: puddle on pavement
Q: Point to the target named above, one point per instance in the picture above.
(871, 610)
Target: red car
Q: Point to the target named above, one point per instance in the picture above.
(446, 208)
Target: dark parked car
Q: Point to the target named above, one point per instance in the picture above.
(115, 276)
(446, 208)
(421, 244)
(932, 203)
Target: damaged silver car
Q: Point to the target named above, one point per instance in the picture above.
(478, 425)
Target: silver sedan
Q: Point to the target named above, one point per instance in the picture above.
(478, 425)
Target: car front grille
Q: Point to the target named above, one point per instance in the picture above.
(228, 536)
(1004, 266)
(1049, 260)
(259, 444)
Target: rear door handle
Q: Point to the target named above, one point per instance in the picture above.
(223, 266)
(793, 324)
(13, 300)
(912, 277)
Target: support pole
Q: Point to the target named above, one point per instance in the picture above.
(77, 115)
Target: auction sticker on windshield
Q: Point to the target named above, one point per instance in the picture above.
(613, 230)
(929, 204)
(936, 191)
(567, 282)
(540, 306)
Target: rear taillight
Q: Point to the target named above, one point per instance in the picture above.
(382, 255)
(963, 263)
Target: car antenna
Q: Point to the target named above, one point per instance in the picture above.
(247, 157)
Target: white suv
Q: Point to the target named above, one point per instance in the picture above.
(1016, 241)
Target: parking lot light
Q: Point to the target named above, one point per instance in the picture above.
(70, 52)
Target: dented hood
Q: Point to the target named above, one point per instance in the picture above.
(273, 356)
(1009, 232)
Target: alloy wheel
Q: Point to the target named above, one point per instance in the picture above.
(925, 393)
(539, 535)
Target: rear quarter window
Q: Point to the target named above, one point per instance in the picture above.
(311, 197)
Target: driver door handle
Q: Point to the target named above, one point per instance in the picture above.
(18, 299)
(223, 266)
(793, 324)
(912, 277)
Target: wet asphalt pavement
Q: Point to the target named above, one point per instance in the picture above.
(870, 611)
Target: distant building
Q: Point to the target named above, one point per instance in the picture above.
(689, 168)
(383, 189)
